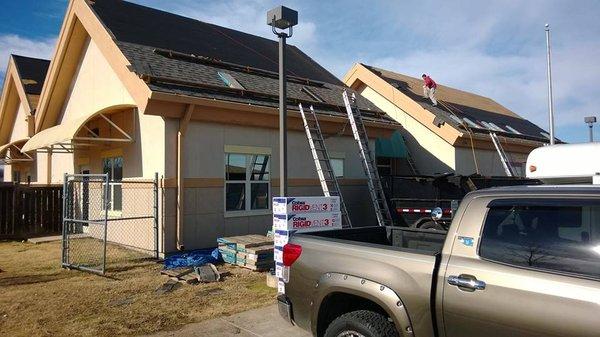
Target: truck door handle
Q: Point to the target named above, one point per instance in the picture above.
(466, 282)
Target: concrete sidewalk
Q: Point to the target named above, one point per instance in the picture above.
(264, 322)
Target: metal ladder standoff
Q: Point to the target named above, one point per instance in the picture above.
(378, 198)
(325, 172)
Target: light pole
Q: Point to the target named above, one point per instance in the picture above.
(550, 101)
(282, 18)
(590, 122)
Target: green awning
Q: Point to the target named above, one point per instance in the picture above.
(393, 147)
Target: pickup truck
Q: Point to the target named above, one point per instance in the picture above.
(516, 261)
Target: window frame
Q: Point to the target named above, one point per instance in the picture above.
(536, 201)
(248, 182)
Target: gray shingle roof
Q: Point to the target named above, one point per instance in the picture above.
(200, 50)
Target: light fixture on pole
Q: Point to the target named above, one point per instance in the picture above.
(550, 100)
(590, 122)
(282, 18)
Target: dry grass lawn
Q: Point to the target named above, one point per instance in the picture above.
(38, 298)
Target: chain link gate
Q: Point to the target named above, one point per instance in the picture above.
(108, 223)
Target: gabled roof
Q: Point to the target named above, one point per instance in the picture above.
(23, 81)
(32, 72)
(183, 56)
(460, 104)
(146, 26)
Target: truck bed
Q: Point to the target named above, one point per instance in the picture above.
(411, 239)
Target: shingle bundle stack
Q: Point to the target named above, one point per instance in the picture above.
(254, 252)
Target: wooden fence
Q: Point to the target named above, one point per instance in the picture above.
(30, 211)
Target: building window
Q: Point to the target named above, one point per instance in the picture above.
(337, 164)
(247, 182)
(561, 235)
(114, 168)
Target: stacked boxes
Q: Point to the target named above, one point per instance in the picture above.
(254, 252)
(300, 214)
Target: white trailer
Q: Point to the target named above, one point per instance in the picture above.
(565, 164)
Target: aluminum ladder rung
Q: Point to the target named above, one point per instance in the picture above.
(322, 161)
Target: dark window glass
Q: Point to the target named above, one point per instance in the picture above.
(558, 235)
(235, 196)
(260, 196)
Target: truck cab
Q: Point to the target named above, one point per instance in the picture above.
(516, 261)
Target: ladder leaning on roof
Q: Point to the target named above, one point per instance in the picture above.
(503, 157)
(380, 205)
(320, 155)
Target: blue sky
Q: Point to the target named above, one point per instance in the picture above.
(493, 48)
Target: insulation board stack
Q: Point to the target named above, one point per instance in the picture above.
(300, 214)
(252, 251)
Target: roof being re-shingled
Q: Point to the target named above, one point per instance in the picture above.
(462, 104)
(32, 72)
(179, 55)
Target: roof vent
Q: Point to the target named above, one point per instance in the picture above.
(312, 95)
(230, 81)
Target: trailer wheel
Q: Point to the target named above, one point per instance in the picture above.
(361, 323)
(432, 225)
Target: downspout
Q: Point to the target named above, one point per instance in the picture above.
(183, 124)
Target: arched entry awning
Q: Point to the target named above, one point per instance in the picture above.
(12, 152)
(67, 136)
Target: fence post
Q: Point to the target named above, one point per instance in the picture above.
(65, 243)
(156, 215)
(106, 206)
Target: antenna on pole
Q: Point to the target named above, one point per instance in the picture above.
(550, 100)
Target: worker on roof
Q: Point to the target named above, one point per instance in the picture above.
(429, 89)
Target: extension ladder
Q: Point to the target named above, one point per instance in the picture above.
(380, 205)
(503, 157)
(325, 172)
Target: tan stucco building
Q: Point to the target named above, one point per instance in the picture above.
(453, 136)
(20, 94)
(132, 91)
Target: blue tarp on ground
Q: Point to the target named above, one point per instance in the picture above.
(193, 258)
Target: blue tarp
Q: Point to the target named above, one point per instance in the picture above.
(193, 258)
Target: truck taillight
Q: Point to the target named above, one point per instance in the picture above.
(291, 253)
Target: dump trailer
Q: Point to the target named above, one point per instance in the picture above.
(413, 199)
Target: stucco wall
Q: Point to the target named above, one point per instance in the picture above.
(95, 86)
(205, 218)
(21, 126)
(431, 153)
(488, 162)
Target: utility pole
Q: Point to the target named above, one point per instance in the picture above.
(282, 18)
(550, 100)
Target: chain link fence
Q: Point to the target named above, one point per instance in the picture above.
(108, 224)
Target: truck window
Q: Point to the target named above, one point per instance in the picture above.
(554, 235)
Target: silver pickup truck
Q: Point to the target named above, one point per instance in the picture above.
(517, 261)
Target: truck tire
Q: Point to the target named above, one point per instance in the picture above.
(361, 323)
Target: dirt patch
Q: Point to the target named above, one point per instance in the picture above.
(37, 298)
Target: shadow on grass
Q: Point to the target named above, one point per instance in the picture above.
(31, 279)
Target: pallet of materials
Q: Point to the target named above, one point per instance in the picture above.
(254, 252)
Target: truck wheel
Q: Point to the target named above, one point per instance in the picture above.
(361, 323)
(432, 225)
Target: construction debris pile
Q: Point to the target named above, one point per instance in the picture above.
(254, 252)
